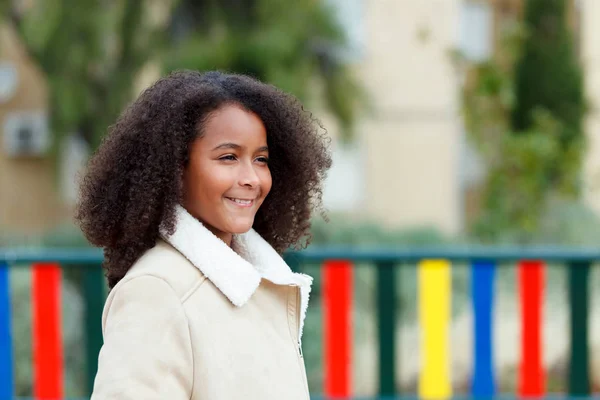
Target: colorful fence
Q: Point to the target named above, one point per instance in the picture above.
(47, 345)
(434, 287)
(435, 295)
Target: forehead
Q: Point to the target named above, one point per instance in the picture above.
(231, 123)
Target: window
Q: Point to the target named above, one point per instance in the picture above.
(344, 186)
(350, 15)
(476, 30)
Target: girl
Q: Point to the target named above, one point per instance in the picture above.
(195, 192)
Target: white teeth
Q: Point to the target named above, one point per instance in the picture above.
(243, 202)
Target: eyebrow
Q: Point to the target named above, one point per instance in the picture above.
(234, 146)
(228, 146)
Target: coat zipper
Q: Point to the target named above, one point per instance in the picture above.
(298, 312)
(301, 356)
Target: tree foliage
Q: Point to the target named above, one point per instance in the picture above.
(524, 111)
(92, 51)
(296, 45)
(549, 78)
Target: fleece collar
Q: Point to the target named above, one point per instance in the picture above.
(237, 274)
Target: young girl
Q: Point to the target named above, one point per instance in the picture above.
(194, 194)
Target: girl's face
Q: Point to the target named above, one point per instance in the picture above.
(227, 177)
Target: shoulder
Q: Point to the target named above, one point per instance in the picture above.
(164, 263)
(155, 288)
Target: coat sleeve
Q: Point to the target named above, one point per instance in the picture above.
(147, 351)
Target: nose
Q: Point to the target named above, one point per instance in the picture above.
(248, 176)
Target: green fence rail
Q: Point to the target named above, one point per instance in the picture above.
(482, 260)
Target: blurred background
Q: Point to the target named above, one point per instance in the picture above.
(454, 124)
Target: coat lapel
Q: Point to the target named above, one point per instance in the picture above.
(237, 274)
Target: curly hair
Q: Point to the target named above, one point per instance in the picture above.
(134, 180)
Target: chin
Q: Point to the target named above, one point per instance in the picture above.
(242, 227)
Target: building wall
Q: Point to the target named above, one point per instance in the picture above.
(412, 139)
(28, 198)
(590, 53)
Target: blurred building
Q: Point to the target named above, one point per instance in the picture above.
(412, 164)
(406, 167)
(28, 199)
(590, 54)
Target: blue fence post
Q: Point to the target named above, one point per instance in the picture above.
(6, 356)
(482, 289)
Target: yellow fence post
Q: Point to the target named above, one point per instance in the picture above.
(434, 314)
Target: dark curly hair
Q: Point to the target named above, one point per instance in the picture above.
(134, 180)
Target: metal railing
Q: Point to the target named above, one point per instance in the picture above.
(434, 286)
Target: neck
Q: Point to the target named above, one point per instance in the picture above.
(224, 236)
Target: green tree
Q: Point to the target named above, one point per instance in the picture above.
(524, 111)
(549, 77)
(295, 45)
(90, 52)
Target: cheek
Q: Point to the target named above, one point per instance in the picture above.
(216, 184)
(203, 184)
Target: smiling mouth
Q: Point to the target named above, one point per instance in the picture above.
(241, 202)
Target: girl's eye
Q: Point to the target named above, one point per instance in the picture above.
(228, 157)
(263, 160)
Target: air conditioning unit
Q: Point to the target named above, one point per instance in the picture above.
(26, 134)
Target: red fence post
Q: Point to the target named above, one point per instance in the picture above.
(337, 308)
(48, 368)
(531, 285)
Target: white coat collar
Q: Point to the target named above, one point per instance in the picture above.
(238, 273)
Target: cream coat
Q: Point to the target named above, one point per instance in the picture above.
(194, 319)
